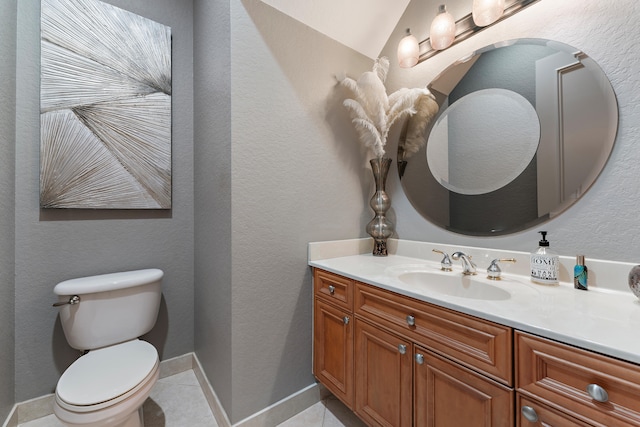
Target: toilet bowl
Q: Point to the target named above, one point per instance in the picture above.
(108, 385)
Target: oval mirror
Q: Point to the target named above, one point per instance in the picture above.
(523, 130)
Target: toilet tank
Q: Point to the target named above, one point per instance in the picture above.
(113, 308)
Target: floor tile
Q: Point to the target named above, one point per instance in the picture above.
(338, 415)
(175, 401)
(178, 401)
(48, 421)
(330, 412)
(310, 417)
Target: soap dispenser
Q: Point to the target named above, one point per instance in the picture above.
(544, 263)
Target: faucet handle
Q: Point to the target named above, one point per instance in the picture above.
(445, 264)
(494, 272)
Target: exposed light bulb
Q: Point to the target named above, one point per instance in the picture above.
(408, 51)
(443, 29)
(486, 12)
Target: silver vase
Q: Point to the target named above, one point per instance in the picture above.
(634, 280)
(380, 228)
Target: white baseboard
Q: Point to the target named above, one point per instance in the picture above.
(209, 393)
(268, 417)
(283, 409)
(12, 419)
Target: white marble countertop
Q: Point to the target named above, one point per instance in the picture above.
(603, 319)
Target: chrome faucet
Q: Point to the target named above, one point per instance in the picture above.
(468, 267)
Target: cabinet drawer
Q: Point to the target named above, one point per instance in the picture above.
(476, 343)
(558, 375)
(532, 414)
(332, 288)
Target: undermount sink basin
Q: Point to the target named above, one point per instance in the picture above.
(456, 285)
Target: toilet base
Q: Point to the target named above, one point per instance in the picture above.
(135, 420)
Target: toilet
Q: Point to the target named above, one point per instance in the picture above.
(104, 316)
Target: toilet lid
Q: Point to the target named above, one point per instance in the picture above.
(104, 374)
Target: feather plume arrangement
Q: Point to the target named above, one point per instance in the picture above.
(373, 112)
(427, 108)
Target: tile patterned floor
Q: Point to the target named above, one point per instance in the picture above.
(328, 413)
(178, 401)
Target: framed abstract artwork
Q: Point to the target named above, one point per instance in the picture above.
(105, 108)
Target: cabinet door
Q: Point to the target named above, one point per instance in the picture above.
(333, 350)
(383, 377)
(449, 395)
(531, 413)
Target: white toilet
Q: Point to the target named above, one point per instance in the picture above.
(105, 315)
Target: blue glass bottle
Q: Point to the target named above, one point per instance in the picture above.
(580, 274)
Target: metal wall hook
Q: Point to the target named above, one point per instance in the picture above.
(75, 299)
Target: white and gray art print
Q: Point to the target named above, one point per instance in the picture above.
(105, 108)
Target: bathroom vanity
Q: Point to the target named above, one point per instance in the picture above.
(403, 343)
(401, 352)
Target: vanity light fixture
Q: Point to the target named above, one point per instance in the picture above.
(486, 12)
(408, 50)
(443, 29)
(446, 32)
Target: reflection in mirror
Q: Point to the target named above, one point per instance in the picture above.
(483, 141)
(524, 129)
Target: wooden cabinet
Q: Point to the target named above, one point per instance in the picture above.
(334, 289)
(596, 389)
(366, 345)
(383, 366)
(473, 342)
(399, 362)
(531, 413)
(333, 350)
(450, 395)
(333, 335)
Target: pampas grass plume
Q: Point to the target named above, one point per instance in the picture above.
(373, 112)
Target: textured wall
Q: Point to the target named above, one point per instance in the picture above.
(603, 224)
(299, 175)
(213, 221)
(56, 245)
(7, 184)
(277, 166)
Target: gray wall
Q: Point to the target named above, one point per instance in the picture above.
(213, 221)
(7, 199)
(277, 165)
(266, 160)
(52, 246)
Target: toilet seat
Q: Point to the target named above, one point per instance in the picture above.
(107, 376)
